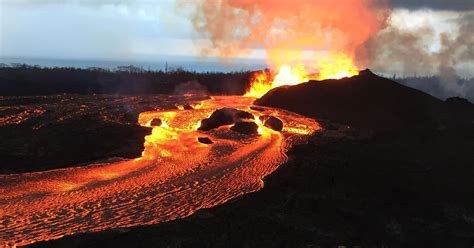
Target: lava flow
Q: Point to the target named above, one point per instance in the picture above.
(175, 176)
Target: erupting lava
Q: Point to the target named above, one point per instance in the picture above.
(333, 66)
(304, 40)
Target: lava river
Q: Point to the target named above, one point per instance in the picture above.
(175, 176)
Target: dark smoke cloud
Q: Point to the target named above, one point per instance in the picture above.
(455, 5)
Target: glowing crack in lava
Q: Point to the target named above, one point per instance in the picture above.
(332, 66)
(176, 176)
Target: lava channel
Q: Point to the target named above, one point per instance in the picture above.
(176, 176)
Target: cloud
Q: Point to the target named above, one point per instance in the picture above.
(55, 2)
(409, 51)
(455, 5)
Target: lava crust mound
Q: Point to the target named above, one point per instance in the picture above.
(245, 127)
(272, 122)
(224, 116)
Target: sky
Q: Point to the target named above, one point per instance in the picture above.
(150, 30)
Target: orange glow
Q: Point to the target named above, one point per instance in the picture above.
(198, 125)
(302, 40)
(197, 105)
(175, 169)
(261, 83)
(336, 66)
(331, 66)
(287, 75)
(159, 135)
(290, 76)
(261, 128)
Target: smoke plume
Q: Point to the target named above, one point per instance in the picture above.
(292, 32)
(287, 30)
(409, 49)
(190, 87)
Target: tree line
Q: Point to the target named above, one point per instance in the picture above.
(33, 80)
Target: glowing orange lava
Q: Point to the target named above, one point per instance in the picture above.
(175, 176)
(331, 66)
(336, 66)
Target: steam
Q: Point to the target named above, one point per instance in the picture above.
(287, 30)
(410, 49)
(190, 87)
(455, 50)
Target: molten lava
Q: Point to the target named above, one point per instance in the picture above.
(336, 66)
(332, 66)
(176, 175)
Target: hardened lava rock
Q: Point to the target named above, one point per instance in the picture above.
(224, 116)
(205, 140)
(245, 127)
(187, 107)
(257, 108)
(272, 122)
(156, 122)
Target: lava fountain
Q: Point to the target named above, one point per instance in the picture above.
(332, 67)
(303, 40)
